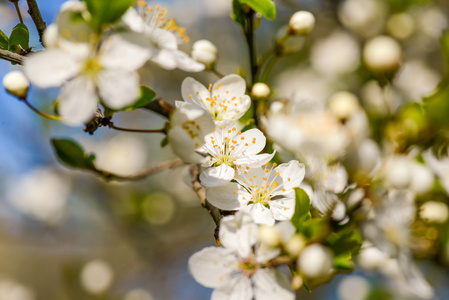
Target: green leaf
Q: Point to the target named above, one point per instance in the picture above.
(71, 153)
(348, 240)
(302, 208)
(164, 142)
(107, 11)
(20, 36)
(146, 96)
(343, 262)
(264, 7)
(4, 41)
(238, 14)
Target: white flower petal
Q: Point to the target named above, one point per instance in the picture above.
(255, 139)
(259, 213)
(118, 89)
(164, 39)
(282, 209)
(272, 284)
(239, 289)
(233, 83)
(238, 232)
(292, 174)
(78, 101)
(228, 197)
(133, 20)
(216, 176)
(165, 59)
(186, 63)
(213, 266)
(117, 53)
(254, 161)
(192, 91)
(183, 145)
(51, 67)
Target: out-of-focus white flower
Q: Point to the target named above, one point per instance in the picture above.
(433, 211)
(13, 290)
(86, 75)
(439, 166)
(161, 41)
(401, 25)
(364, 17)
(301, 22)
(41, 194)
(422, 178)
(267, 195)
(16, 84)
(371, 258)
(416, 80)
(335, 54)
(96, 277)
(315, 261)
(380, 100)
(382, 53)
(369, 158)
(274, 236)
(237, 271)
(122, 154)
(260, 90)
(353, 287)
(295, 245)
(189, 125)
(343, 104)
(228, 149)
(203, 51)
(225, 100)
(397, 172)
(433, 21)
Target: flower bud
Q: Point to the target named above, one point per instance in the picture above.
(315, 261)
(16, 84)
(295, 245)
(260, 90)
(297, 282)
(270, 235)
(371, 258)
(343, 104)
(382, 53)
(433, 211)
(203, 51)
(301, 23)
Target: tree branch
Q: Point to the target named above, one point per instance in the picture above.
(201, 193)
(12, 57)
(35, 14)
(141, 175)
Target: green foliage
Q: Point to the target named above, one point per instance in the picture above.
(146, 96)
(4, 41)
(107, 11)
(264, 7)
(237, 12)
(71, 153)
(20, 36)
(302, 208)
(343, 262)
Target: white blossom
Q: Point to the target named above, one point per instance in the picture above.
(225, 100)
(228, 149)
(267, 195)
(237, 271)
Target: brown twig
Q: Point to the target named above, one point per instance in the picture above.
(35, 14)
(144, 173)
(201, 193)
(12, 57)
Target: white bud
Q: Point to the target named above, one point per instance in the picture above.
(270, 235)
(260, 90)
(401, 25)
(16, 84)
(295, 245)
(315, 261)
(301, 23)
(203, 51)
(371, 258)
(343, 104)
(433, 211)
(96, 277)
(398, 171)
(382, 53)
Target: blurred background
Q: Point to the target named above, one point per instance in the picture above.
(67, 234)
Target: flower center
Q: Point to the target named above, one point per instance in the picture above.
(92, 67)
(249, 266)
(261, 196)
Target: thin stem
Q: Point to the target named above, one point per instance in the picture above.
(35, 14)
(16, 4)
(41, 113)
(162, 130)
(12, 57)
(269, 67)
(249, 34)
(165, 165)
(214, 70)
